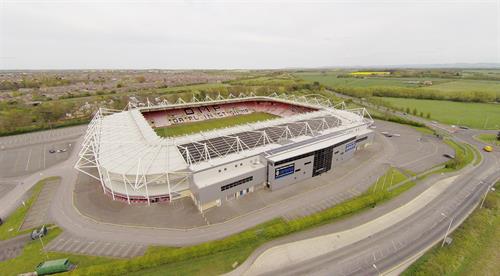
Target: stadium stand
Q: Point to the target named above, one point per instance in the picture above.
(165, 118)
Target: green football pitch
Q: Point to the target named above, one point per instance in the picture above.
(189, 128)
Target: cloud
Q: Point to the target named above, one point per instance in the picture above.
(262, 34)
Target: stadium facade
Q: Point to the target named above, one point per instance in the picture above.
(310, 137)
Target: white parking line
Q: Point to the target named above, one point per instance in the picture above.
(28, 162)
(44, 156)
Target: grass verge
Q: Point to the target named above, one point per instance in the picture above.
(216, 257)
(11, 225)
(475, 249)
(391, 178)
(32, 255)
(488, 139)
(187, 128)
(424, 130)
(464, 155)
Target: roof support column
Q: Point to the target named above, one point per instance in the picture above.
(126, 189)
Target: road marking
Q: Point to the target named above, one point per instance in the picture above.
(126, 252)
(110, 250)
(44, 145)
(29, 157)
(137, 251)
(86, 249)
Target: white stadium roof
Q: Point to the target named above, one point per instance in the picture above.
(123, 143)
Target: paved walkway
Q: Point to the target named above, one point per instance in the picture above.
(303, 250)
(38, 213)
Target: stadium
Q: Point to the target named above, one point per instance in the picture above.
(299, 138)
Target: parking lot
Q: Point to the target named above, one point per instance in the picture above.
(66, 242)
(14, 141)
(416, 151)
(6, 186)
(38, 213)
(31, 158)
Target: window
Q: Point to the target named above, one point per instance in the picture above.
(350, 146)
(284, 171)
(236, 183)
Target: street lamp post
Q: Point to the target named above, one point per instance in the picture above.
(43, 248)
(376, 268)
(485, 195)
(448, 230)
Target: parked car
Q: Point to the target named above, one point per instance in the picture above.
(1, 221)
(449, 156)
(52, 151)
(38, 233)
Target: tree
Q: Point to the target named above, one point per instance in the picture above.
(140, 79)
(421, 114)
(414, 111)
(498, 136)
(408, 110)
(428, 115)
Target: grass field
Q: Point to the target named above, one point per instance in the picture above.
(466, 85)
(438, 84)
(188, 128)
(475, 249)
(475, 115)
(11, 225)
(330, 79)
(488, 138)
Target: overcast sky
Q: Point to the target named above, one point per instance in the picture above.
(61, 34)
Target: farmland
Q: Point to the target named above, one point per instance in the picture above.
(436, 88)
(331, 79)
(475, 115)
(466, 85)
